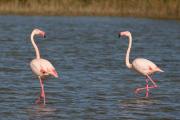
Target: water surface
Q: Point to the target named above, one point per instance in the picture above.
(89, 57)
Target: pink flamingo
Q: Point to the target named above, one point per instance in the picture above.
(141, 65)
(41, 67)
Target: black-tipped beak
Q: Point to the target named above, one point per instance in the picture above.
(119, 35)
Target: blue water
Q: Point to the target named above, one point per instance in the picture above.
(94, 82)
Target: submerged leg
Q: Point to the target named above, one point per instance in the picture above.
(42, 95)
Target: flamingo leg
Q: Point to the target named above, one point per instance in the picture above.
(42, 95)
(154, 84)
(139, 89)
(143, 88)
(147, 86)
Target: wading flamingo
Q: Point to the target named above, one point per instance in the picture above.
(141, 65)
(41, 67)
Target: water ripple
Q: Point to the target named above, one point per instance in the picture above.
(89, 57)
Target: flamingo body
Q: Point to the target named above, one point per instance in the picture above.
(144, 66)
(42, 67)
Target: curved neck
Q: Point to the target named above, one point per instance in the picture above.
(35, 46)
(128, 64)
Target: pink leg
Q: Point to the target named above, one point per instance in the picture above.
(147, 86)
(143, 88)
(42, 95)
(154, 84)
(140, 89)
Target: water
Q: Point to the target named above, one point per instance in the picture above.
(89, 57)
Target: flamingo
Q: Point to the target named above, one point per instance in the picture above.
(143, 66)
(41, 67)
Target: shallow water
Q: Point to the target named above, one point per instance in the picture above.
(89, 57)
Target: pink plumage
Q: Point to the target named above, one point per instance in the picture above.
(144, 66)
(141, 65)
(41, 67)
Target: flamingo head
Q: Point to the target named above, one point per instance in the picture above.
(39, 32)
(124, 33)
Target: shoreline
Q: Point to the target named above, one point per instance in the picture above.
(153, 9)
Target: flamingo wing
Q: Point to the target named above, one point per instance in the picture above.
(49, 68)
(42, 67)
(143, 66)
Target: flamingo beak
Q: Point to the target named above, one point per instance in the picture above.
(42, 34)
